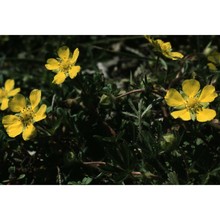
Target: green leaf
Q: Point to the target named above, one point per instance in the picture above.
(172, 178)
(130, 114)
(146, 110)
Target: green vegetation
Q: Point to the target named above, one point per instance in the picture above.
(110, 124)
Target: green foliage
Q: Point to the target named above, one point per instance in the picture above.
(110, 124)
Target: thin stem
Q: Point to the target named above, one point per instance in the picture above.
(95, 163)
(131, 92)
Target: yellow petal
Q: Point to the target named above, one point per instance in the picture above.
(29, 132)
(176, 55)
(165, 46)
(205, 115)
(190, 87)
(2, 93)
(14, 92)
(13, 125)
(40, 114)
(35, 97)
(59, 78)
(173, 98)
(73, 71)
(64, 53)
(208, 94)
(9, 85)
(4, 104)
(52, 64)
(17, 103)
(75, 56)
(183, 114)
(159, 42)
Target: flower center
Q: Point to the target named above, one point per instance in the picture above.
(27, 116)
(192, 104)
(65, 66)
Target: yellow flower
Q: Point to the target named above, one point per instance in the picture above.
(64, 66)
(192, 104)
(27, 115)
(214, 59)
(7, 92)
(165, 48)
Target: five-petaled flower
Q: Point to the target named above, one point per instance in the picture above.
(192, 103)
(7, 92)
(164, 48)
(27, 115)
(64, 66)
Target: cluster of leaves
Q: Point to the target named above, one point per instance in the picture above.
(110, 124)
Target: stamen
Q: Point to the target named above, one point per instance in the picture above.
(193, 105)
(27, 116)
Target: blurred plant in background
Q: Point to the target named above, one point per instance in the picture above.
(107, 120)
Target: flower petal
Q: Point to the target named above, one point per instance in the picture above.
(35, 97)
(158, 44)
(17, 103)
(73, 71)
(64, 53)
(14, 92)
(2, 93)
(205, 115)
(9, 85)
(59, 78)
(13, 125)
(173, 98)
(40, 114)
(29, 132)
(184, 114)
(4, 104)
(190, 87)
(166, 47)
(208, 94)
(52, 64)
(75, 56)
(176, 55)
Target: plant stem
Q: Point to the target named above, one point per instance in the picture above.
(131, 92)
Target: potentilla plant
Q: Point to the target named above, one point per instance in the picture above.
(164, 48)
(192, 103)
(27, 113)
(64, 66)
(7, 92)
(124, 127)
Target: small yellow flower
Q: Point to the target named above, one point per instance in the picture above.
(164, 48)
(214, 59)
(192, 104)
(7, 92)
(27, 115)
(64, 66)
